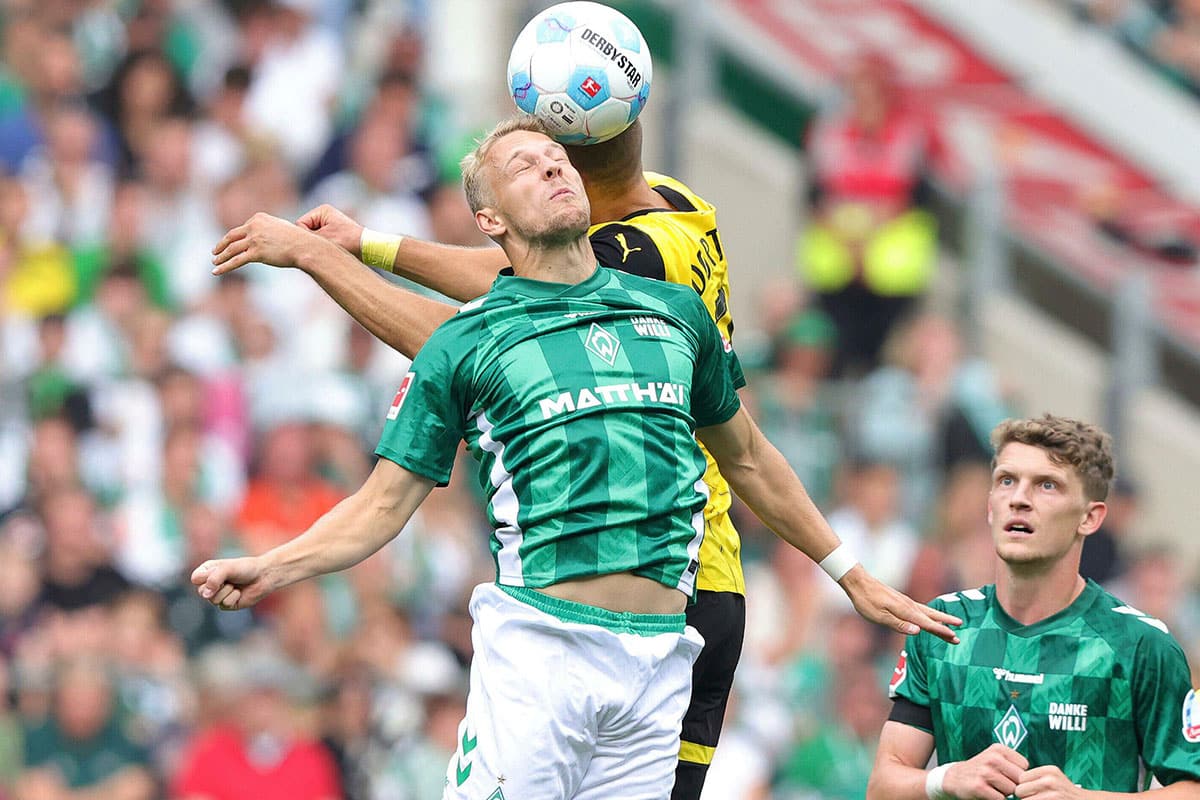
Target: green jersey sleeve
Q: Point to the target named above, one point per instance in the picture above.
(1166, 709)
(910, 678)
(714, 393)
(427, 418)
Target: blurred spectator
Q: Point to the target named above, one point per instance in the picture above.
(198, 623)
(81, 751)
(77, 569)
(51, 388)
(871, 524)
(222, 141)
(295, 66)
(928, 408)
(70, 189)
(36, 277)
(20, 584)
(379, 185)
(152, 679)
(797, 405)
(958, 551)
(145, 90)
(870, 250)
(124, 243)
(834, 763)
(46, 70)
(286, 495)
(261, 750)
(1155, 584)
(1103, 558)
(53, 459)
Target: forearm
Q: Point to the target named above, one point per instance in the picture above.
(765, 482)
(461, 273)
(1182, 790)
(348, 533)
(402, 319)
(894, 780)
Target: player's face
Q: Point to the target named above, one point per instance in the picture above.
(538, 194)
(1036, 508)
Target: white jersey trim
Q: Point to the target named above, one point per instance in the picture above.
(505, 508)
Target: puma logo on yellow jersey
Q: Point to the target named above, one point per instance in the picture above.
(625, 248)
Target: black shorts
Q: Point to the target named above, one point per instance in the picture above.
(720, 617)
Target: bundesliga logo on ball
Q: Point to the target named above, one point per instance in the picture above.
(583, 69)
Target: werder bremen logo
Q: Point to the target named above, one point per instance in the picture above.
(1011, 730)
(603, 344)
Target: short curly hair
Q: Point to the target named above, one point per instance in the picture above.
(1080, 445)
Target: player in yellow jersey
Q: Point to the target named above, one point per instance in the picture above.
(643, 223)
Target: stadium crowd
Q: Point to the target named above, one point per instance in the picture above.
(152, 416)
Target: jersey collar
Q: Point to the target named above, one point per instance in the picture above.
(1091, 592)
(507, 282)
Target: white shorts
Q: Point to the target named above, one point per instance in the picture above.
(570, 701)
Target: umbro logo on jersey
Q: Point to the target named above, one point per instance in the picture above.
(401, 393)
(651, 326)
(603, 344)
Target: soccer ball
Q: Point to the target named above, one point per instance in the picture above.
(583, 69)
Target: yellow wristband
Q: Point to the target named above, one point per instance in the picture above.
(379, 249)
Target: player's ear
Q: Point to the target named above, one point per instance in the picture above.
(1093, 518)
(490, 222)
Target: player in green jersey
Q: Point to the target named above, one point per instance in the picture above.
(1058, 691)
(643, 224)
(581, 392)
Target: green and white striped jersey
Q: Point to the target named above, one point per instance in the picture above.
(1099, 689)
(580, 403)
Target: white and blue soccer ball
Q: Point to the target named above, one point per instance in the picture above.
(583, 69)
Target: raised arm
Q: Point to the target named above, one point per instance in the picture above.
(461, 273)
(762, 478)
(400, 318)
(349, 532)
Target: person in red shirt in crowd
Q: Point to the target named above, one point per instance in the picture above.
(870, 249)
(286, 495)
(258, 749)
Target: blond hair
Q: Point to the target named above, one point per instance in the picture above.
(1080, 445)
(475, 184)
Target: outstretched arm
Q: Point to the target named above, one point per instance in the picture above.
(762, 478)
(402, 319)
(349, 532)
(461, 273)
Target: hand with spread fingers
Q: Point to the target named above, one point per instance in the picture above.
(880, 603)
(232, 584)
(266, 240)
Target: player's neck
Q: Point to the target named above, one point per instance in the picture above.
(613, 203)
(570, 263)
(1029, 596)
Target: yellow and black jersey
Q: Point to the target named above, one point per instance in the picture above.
(681, 245)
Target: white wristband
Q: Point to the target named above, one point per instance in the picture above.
(839, 562)
(933, 782)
